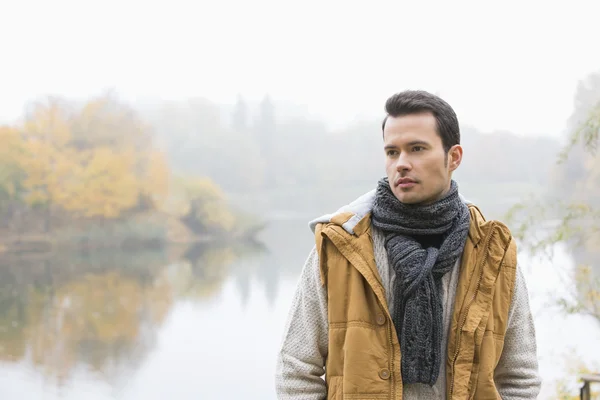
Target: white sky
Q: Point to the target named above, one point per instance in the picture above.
(511, 66)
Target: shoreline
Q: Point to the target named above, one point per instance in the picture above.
(40, 244)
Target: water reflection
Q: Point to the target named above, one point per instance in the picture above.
(183, 323)
(101, 312)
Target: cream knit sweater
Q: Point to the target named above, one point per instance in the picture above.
(301, 360)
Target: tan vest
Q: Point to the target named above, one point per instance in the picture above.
(364, 352)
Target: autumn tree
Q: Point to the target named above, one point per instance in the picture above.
(97, 160)
(577, 213)
(569, 213)
(119, 166)
(47, 158)
(66, 312)
(201, 205)
(11, 171)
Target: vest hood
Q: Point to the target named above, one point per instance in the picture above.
(359, 208)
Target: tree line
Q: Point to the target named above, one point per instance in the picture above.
(68, 164)
(104, 159)
(251, 147)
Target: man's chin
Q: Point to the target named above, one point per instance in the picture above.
(407, 197)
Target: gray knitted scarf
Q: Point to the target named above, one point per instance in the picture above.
(417, 314)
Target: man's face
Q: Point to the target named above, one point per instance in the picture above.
(418, 168)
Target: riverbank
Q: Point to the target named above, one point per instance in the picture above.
(145, 231)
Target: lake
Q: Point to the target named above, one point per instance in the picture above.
(200, 323)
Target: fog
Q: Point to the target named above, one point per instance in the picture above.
(159, 164)
(513, 66)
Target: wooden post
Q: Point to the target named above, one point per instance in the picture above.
(585, 393)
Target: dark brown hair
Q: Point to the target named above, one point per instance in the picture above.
(419, 101)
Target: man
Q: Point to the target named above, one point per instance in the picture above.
(409, 293)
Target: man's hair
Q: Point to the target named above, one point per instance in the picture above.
(419, 101)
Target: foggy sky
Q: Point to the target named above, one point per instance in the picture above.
(514, 66)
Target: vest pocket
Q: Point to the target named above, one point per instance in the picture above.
(335, 389)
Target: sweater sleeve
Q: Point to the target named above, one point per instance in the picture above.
(516, 374)
(302, 355)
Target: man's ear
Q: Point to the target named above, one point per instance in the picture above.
(455, 157)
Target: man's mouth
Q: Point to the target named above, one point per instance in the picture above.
(405, 183)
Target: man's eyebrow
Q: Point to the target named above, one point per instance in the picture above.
(415, 142)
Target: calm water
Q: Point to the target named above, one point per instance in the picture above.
(200, 325)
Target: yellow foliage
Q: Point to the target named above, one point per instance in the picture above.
(588, 290)
(107, 310)
(202, 199)
(13, 345)
(96, 161)
(207, 202)
(102, 183)
(567, 388)
(177, 203)
(11, 147)
(155, 183)
(48, 122)
(213, 268)
(104, 121)
(47, 160)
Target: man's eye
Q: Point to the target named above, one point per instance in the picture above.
(392, 153)
(418, 148)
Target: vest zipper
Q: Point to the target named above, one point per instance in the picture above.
(464, 319)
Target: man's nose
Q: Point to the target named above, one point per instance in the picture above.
(403, 163)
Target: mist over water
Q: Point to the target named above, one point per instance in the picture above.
(159, 164)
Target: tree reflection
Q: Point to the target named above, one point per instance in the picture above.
(204, 268)
(99, 320)
(103, 311)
